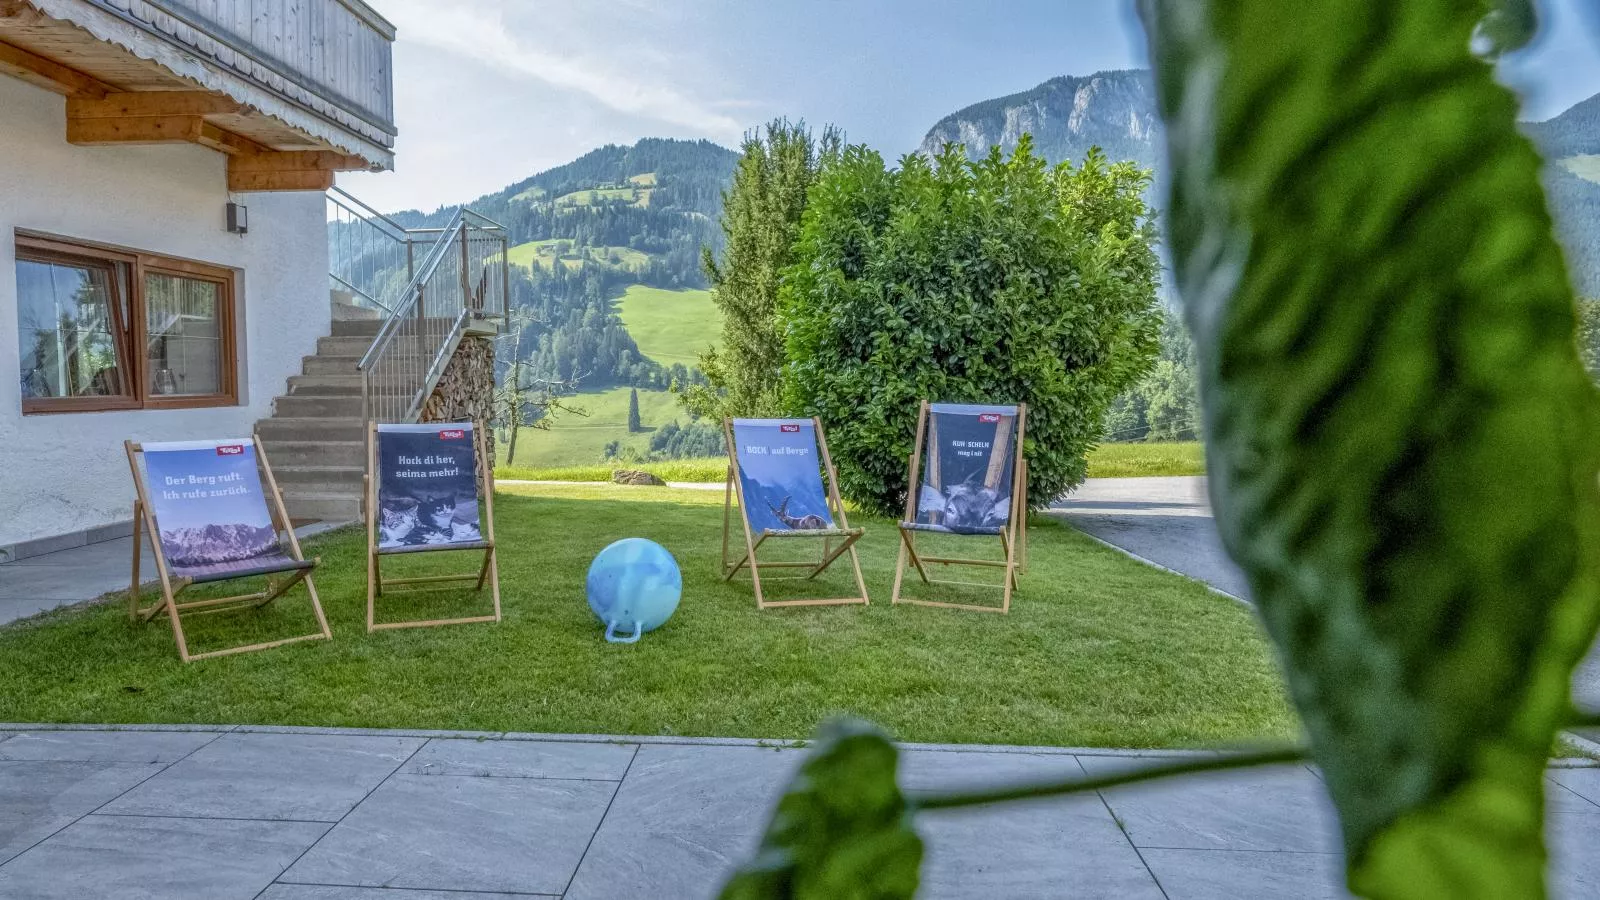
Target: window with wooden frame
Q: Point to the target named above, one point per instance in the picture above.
(104, 329)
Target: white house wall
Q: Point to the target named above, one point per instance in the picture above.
(65, 473)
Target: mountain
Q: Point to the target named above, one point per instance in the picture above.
(680, 177)
(217, 543)
(1575, 132)
(605, 256)
(1571, 145)
(1115, 111)
(645, 209)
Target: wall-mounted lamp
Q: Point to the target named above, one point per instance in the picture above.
(238, 218)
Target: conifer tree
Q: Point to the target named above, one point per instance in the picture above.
(761, 218)
(634, 425)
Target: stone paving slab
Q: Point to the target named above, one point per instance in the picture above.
(271, 776)
(1584, 783)
(400, 816)
(1275, 808)
(104, 746)
(510, 759)
(339, 892)
(1038, 850)
(682, 818)
(40, 797)
(1574, 862)
(136, 858)
(462, 833)
(1247, 874)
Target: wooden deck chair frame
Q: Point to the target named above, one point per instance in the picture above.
(488, 572)
(1013, 538)
(144, 521)
(836, 542)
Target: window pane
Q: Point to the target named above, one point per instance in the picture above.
(66, 330)
(184, 332)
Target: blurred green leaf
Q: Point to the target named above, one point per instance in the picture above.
(1402, 444)
(843, 830)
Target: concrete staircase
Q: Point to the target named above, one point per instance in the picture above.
(315, 438)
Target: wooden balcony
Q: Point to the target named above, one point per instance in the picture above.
(291, 90)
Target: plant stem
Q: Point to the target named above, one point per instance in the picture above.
(1264, 757)
(1149, 773)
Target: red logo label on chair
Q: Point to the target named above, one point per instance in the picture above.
(230, 449)
(791, 429)
(452, 434)
(988, 418)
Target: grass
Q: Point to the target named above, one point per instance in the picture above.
(1107, 461)
(670, 326)
(530, 194)
(1134, 460)
(1097, 651)
(589, 196)
(644, 179)
(1585, 166)
(574, 440)
(546, 253)
(713, 469)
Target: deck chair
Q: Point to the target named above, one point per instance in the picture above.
(211, 518)
(775, 472)
(973, 481)
(422, 497)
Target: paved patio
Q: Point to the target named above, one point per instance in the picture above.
(328, 814)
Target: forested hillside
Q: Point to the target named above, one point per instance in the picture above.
(619, 226)
(1571, 141)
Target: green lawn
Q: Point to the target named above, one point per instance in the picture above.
(1097, 651)
(644, 179)
(1132, 460)
(670, 326)
(574, 440)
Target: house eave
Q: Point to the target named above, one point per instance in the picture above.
(211, 62)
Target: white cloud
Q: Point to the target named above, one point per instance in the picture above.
(480, 32)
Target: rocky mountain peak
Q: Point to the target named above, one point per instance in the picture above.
(1066, 115)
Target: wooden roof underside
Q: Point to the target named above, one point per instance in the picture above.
(115, 96)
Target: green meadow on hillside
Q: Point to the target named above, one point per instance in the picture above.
(551, 251)
(574, 440)
(670, 326)
(1585, 166)
(638, 196)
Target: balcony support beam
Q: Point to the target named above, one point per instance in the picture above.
(307, 170)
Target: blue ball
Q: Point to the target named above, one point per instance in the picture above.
(633, 587)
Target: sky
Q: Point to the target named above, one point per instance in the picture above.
(489, 92)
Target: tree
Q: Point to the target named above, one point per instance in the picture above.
(1002, 280)
(521, 401)
(634, 425)
(1165, 404)
(761, 215)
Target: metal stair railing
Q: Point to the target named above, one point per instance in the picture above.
(371, 257)
(462, 279)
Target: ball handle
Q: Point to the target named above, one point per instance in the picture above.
(612, 636)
